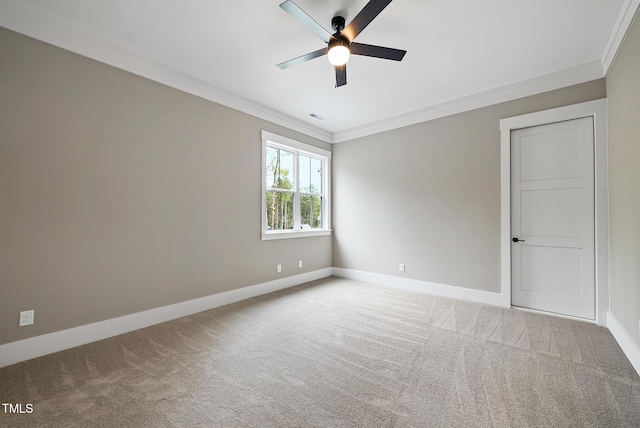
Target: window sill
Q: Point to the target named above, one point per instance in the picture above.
(287, 234)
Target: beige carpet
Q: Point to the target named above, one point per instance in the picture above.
(336, 353)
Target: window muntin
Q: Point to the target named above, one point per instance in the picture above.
(295, 196)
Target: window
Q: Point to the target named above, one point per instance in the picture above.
(295, 188)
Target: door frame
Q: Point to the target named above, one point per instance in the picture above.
(598, 110)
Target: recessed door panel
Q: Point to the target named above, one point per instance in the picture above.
(535, 163)
(551, 213)
(553, 271)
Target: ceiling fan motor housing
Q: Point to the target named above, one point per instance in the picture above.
(337, 24)
(338, 40)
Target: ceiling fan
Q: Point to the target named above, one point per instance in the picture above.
(340, 44)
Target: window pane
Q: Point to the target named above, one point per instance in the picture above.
(310, 174)
(279, 169)
(304, 165)
(316, 176)
(279, 210)
(310, 211)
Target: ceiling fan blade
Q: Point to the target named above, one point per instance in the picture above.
(302, 58)
(341, 75)
(364, 18)
(301, 16)
(377, 51)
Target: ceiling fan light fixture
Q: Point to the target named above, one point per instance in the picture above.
(338, 51)
(340, 42)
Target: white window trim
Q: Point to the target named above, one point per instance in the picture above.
(269, 138)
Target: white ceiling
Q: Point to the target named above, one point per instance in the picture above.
(461, 54)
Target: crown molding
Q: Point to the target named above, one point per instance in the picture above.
(24, 21)
(625, 19)
(549, 82)
(18, 18)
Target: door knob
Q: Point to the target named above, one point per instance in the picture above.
(518, 240)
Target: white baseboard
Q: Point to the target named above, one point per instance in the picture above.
(22, 350)
(629, 347)
(461, 293)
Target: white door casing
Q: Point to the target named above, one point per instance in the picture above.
(596, 110)
(552, 216)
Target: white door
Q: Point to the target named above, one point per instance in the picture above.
(552, 218)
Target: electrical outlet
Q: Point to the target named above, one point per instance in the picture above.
(26, 318)
(279, 268)
(299, 263)
(401, 267)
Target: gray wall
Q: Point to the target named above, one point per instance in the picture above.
(428, 195)
(623, 90)
(118, 194)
